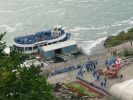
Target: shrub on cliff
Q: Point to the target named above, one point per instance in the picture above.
(128, 53)
(119, 39)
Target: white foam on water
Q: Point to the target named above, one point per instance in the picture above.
(119, 24)
(125, 30)
(77, 39)
(64, 1)
(13, 11)
(76, 34)
(6, 11)
(38, 6)
(8, 28)
(84, 1)
(102, 33)
(51, 3)
(88, 45)
(11, 28)
(52, 11)
(75, 29)
(105, 0)
(102, 27)
(128, 21)
(131, 22)
(81, 28)
(124, 22)
(61, 14)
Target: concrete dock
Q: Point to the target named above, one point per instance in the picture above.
(126, 70)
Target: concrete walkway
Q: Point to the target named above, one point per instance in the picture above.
(126, 70)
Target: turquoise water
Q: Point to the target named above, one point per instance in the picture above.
(90, 21)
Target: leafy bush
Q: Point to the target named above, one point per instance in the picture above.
(128, 53)
(83, 89)
(21, 83)
(119, 39)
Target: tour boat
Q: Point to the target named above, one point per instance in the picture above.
(31, 43)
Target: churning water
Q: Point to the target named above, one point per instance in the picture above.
(90, 21)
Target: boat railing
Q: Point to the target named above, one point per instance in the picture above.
(40, 36)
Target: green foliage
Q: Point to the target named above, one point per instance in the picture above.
(128, 53)
(130, 30)
(122, 37)
(21, 83)
(82, 89)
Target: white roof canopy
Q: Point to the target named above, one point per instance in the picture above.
(58, 45)
(123, 91)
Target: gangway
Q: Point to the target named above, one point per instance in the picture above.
(62, 56)
(67, 54)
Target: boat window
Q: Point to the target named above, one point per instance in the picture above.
(35, 47)
(54, 42)
(20, 48)
(28, 48)
(40, 45)
(45, 44)
(59, 29)
(55, 29)
(15, 47)
(49, 43)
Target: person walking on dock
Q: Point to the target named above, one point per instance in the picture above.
(105, 81)
(106, 62)
(131, 42)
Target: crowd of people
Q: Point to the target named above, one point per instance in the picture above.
(62, 70)
(92, 67)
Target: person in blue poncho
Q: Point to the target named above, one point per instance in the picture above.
(106, 62)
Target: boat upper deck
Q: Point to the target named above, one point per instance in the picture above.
(37, 43)
(37, 37)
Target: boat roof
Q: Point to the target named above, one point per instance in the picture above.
(40, 42)
(59, 45)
